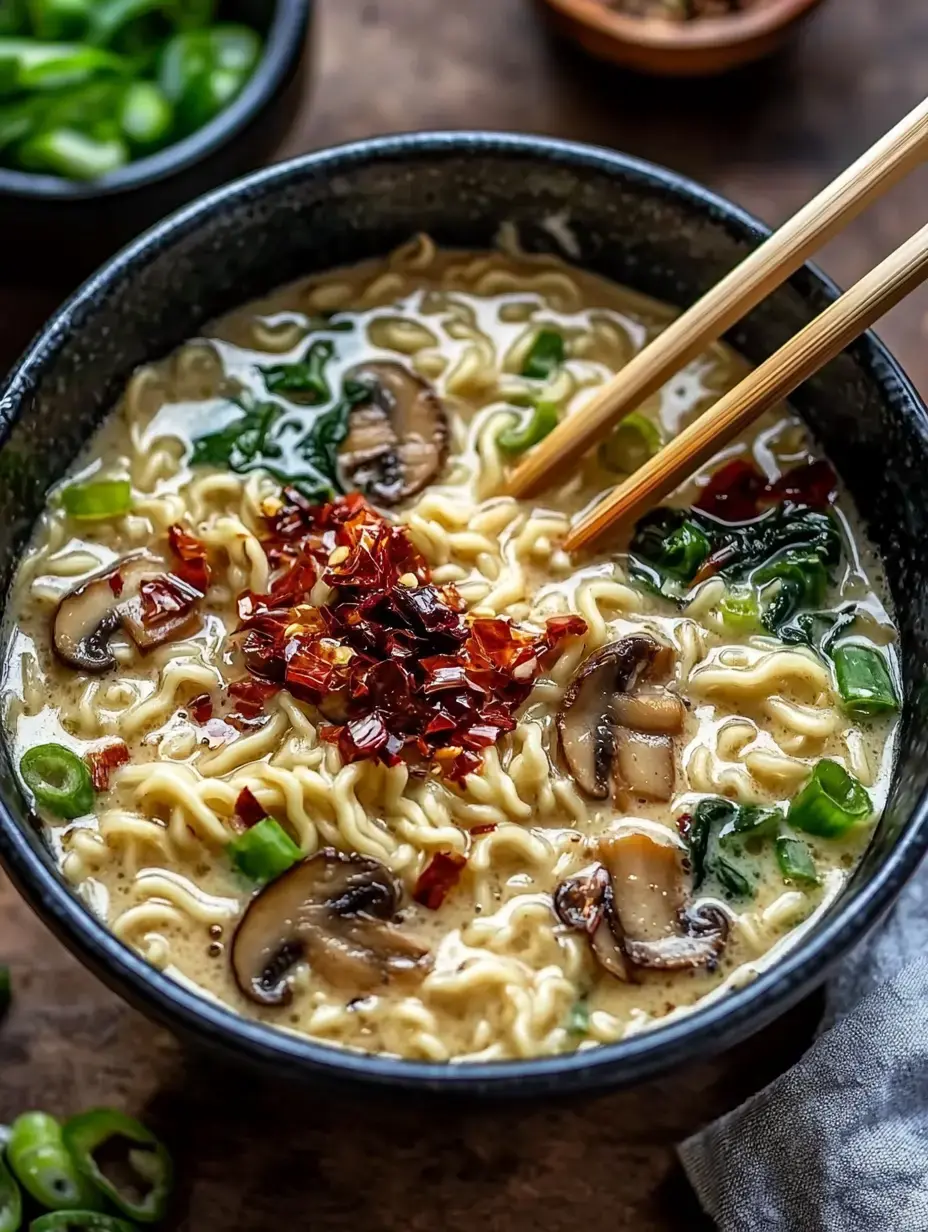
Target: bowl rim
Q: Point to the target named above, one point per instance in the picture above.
(661, 34)
(283, 45)
(201, 1018)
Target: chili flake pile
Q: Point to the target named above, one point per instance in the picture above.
(390, 659)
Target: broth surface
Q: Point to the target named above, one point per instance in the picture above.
(507, 979)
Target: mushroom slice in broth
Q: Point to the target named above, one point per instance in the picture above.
(333, 911)
(397, 438)
(89, 615)
(616, 725)
(649, 891)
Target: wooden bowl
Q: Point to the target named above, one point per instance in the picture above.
(669, 48)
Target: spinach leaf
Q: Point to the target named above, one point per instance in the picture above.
(715, 822)
(709, 817)
(305, 378)
(241, 443)
(820, 630)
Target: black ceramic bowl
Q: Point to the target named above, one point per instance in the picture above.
(632, 222)
(58, 231)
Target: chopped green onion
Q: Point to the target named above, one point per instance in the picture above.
(101, 498)
(516, 438)
(80, 1221)
(264, 851)
(635, 439)
(578, 1020)
(864, 681)
(830, 803)
(11, 1201)
(58, 779)
(739, 611)
(795, 861)
(145, 117)
(545, 355)
(43, 1166)
(144, 1161)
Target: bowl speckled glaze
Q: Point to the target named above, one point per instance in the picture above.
(63, 229)
(628, 220)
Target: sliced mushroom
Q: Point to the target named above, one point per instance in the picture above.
(616, 723)
(88, 616)
(585, 904)
(333, 911)
(397, 439)
(649, 893)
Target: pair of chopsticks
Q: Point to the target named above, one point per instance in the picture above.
(885, 164)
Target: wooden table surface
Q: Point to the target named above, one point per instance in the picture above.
(253, 1156)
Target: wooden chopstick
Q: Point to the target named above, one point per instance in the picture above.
(809, 350)
(883, 165)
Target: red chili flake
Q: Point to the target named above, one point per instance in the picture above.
(438, 878)
(201, 708)
(193, 568)
(247, 808)
(116, 583)
(390, 655)
(166, 596)
(485, 829)
(101, 761)
(684, 824)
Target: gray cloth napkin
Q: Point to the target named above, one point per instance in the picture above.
(839, 1143)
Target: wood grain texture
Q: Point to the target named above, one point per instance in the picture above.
(259, 1157)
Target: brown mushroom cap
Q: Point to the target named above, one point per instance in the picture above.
(397, 440)
(649, 894)
(333, 910)
(89, 615)
(615, 726)
(632, 908)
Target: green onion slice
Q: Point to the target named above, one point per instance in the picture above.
(864, 681)
(545, 355)
(632, 442)
(830, 803)
(264, 851)
(516, 438)
(795, 861)
(739, 611)
(80, 1221)
(100, 498)
(142, 1158)
(11, 1201)
(58, 779)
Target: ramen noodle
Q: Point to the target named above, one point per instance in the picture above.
(320, 720)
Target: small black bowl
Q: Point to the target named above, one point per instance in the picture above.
(57, 231)
(625, 219)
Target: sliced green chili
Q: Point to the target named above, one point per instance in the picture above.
(739, 611)
(545, 355)
(11, 1201)
(795, 861)
(145, 117)
(306, 377)
(103, 1131)
(830, 803)
(80, 1221)
(264, 851)
(72, 154)
(864, 681)
(635, 439)
(516, 438)
(43, 1166)
(100, 498)
(58, 779)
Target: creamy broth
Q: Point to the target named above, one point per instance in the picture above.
(504, 977)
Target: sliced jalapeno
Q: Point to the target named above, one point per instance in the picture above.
(41, 1163)
(80, 1221)
(11, 1201)
(105, 1134)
